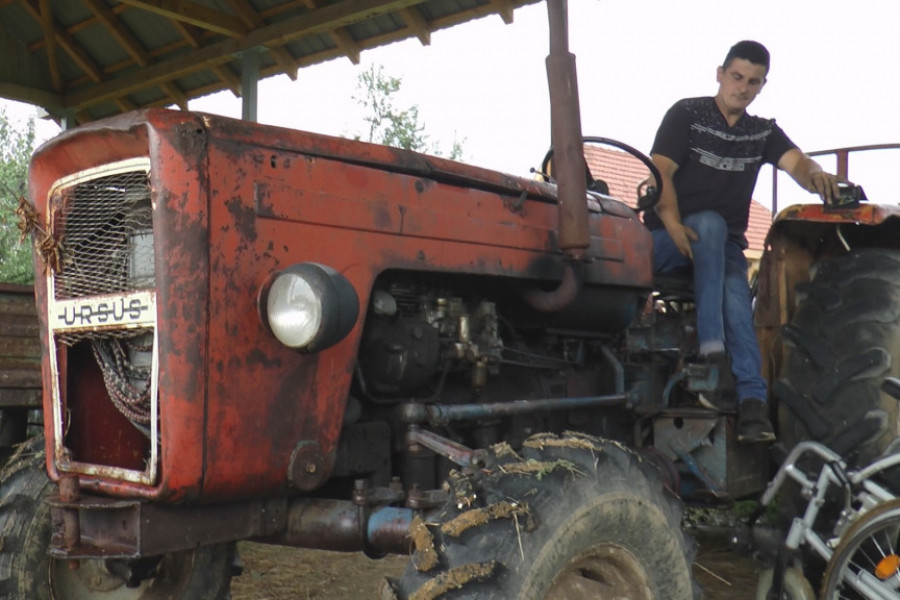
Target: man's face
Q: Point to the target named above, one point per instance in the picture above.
(739, 84)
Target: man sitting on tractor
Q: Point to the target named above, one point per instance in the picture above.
(709, 152)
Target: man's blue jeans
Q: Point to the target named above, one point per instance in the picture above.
(722, 295)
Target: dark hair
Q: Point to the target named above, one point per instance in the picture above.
(748, 50)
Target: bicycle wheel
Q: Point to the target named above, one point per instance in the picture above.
(866, 563)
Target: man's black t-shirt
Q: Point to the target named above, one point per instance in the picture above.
(717, 164)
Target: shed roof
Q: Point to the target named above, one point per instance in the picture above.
(95, 58)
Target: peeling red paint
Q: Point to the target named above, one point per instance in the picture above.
(237, 201)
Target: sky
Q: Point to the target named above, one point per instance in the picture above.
(833, 80)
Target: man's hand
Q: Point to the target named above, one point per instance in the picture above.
(682, 236)
(667, 207)
(809, 174)
(825, 185)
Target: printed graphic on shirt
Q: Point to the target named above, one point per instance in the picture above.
(725, 163)
(731, 137)
(738, 149)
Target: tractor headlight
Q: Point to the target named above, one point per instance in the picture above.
(308, 306)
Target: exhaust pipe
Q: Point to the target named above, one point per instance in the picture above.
(565, 135)
(568, 158)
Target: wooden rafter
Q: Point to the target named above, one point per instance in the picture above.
(67, 43)
(253, 20)
(416, 22)
(193, 13)
(311, 23)
(221, 71)
(341, 38)
(50, 36)
(505, 9)
(121, 34)
(133, 58)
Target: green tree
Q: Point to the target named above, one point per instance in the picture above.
(390, 125)
(16, 146)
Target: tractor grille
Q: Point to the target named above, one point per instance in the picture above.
(102, 316)
(106, 233)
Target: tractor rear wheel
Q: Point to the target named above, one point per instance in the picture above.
(27, 573)
(843, 341)
(572, 517)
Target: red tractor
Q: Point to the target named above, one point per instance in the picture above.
(252, 333)
(256, 333)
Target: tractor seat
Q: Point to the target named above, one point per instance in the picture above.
(675, 285)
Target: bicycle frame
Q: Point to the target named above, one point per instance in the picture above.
(860, 492)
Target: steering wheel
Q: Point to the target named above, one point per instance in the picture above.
(648, 195)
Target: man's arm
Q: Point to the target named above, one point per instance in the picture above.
(809, 174)
(667, 207)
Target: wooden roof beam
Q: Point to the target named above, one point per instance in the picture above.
(347, 44)
(253, 20)
(417, 23)
(221, 71)
(194, 14)
(341, 38)
(67, 43)
(172, 91)
(315, 22)
(124, 104)
(504, 9)
(229, 79)
(121, 34)
(50, 36)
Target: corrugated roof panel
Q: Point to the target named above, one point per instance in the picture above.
(152, 31)
(376, 26)
(69, 14)
(436, 9)
(150, 97)
(19, 24)
(311, 45)
(100, 45)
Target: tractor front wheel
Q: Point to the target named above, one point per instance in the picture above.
(571, 517)
(28, 573)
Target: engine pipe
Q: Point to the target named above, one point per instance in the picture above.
(343, 526)
(562, 296)
(565, 135)
(133, 529)
(436, 415)
(453, 451)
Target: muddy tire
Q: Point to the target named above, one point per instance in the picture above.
(27, 573)
(843, 341)
(568, 517)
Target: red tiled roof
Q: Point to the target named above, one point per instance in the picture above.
(623, 172)
(758, 227)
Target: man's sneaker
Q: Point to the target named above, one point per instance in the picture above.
(753, 423)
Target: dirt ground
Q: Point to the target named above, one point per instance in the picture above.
(276, 573)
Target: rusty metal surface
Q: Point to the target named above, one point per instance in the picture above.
(565, 130)
(108, 528)
(235, 201)
(344, 527)
(453, 451)
(705, 441)
(865, 214)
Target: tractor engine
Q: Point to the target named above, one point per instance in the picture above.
(412, 335)
(454, 357)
